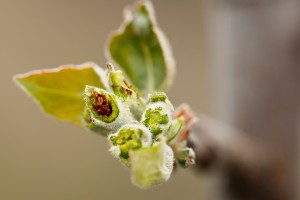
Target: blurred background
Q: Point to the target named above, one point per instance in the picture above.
(238, 61)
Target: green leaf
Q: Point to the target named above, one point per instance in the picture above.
(151, 165)
(142, 51)
(59, 91)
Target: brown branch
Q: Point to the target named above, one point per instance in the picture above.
(250, 170)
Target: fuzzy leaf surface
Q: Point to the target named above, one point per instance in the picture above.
(142, 51)
(59, 91)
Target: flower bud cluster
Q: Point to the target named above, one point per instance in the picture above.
(142, 134)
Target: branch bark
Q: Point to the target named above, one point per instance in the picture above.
(251, 171)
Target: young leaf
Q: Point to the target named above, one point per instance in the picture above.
(59, 91)
(151, 165)
(142, 51)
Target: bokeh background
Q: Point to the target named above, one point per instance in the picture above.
(237, 61)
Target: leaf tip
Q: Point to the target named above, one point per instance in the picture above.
(18, 79)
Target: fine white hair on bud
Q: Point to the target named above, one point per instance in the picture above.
(158, 114)
(129, 137)
(125, 91)
(105, 113)
(153, 165)
(160, 97)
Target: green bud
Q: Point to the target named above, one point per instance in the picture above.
(129, 137)
(105, 113)
(118, 83)
(101, 104)
(157, 97)
(123, 89)
(160, 97)
(175, 127)
(158, 114)
(185, 157)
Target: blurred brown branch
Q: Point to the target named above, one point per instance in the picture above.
(251, 170)
(256, 68)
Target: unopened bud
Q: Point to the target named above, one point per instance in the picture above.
(104, 111)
